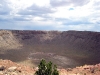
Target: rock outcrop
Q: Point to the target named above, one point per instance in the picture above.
(8, 67)
(8, 41)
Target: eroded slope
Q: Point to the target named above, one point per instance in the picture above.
(8, 41)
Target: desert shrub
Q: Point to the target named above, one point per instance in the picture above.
(46, 68)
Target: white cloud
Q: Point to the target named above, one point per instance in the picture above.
(42, 2)
(77, 12)
(54, 14)
(57, 3)
(38, 18)
(0, 5)
(22, 4)
(81, 27)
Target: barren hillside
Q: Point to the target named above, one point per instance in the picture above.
(8, 41)
(66, 49)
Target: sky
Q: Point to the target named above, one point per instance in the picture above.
(60, 15)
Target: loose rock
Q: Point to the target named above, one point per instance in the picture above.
(2, 68)
(12, 68)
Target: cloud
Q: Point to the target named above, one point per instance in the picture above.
(81, 27)
(21, 18)
(4, 8)
(96, 6)
(36, 11)
(76, 22)
(56, 3)
(50, 14)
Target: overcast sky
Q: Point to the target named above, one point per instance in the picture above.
(50, 15)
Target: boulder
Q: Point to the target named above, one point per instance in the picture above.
(12, 68)
(2, 67)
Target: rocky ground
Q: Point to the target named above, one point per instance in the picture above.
(8, 67)
(82, 70)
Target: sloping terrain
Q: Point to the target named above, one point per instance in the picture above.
(8, 41)
(8, 67)
(66, 49)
